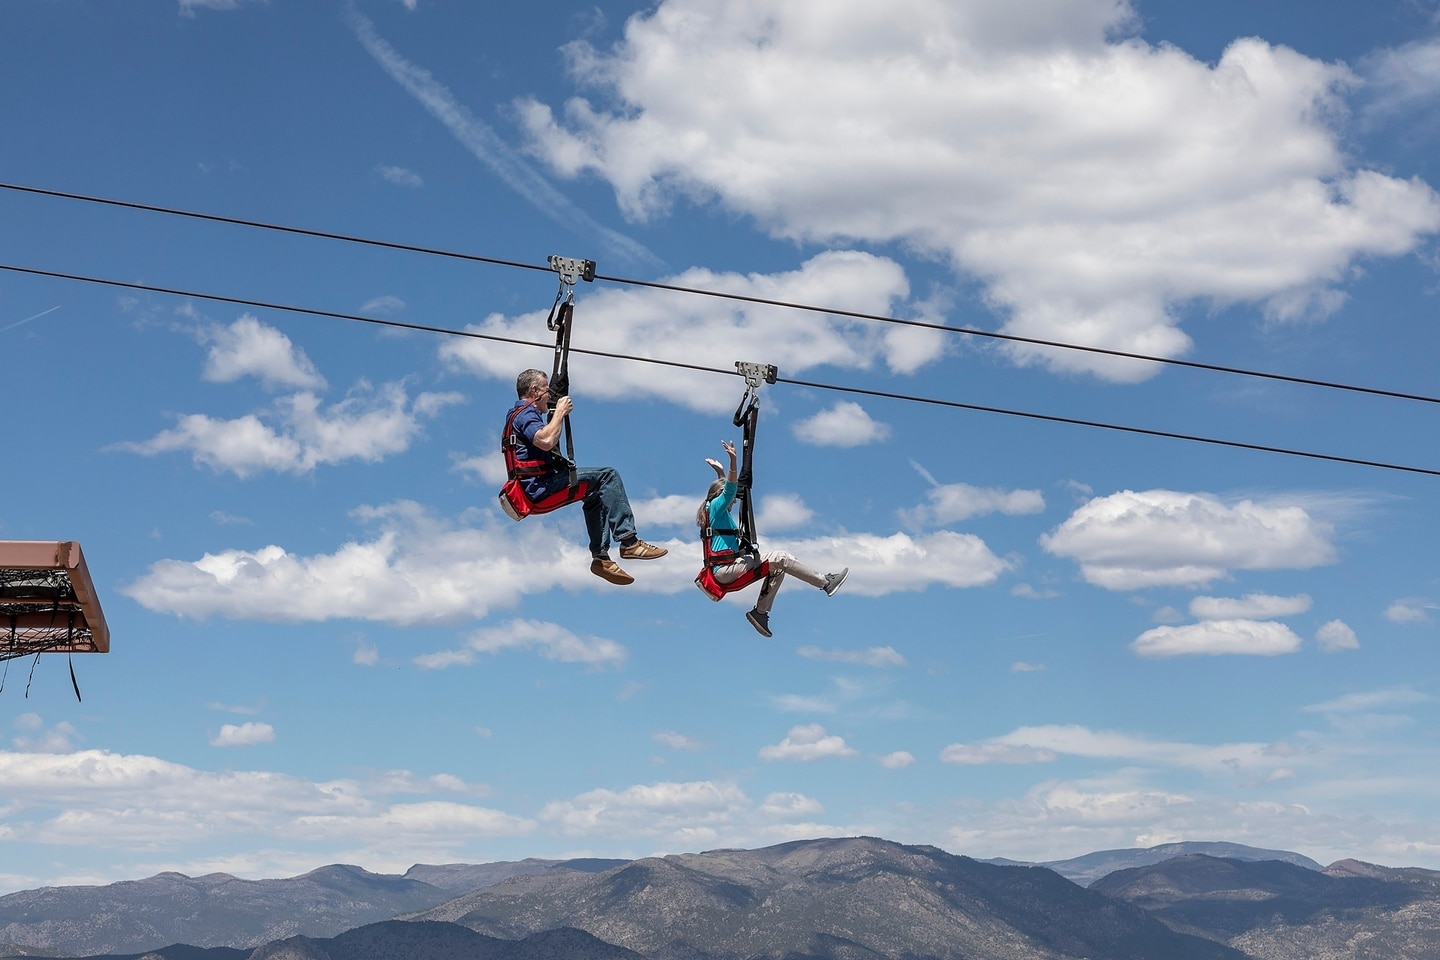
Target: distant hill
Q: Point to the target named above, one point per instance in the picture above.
(847, 899)
(396, 940)
(1086, 869)
(218, 910)
(461, 878)
(1279, 911)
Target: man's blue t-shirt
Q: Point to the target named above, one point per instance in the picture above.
(525, 423)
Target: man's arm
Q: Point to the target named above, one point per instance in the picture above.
(549, 435)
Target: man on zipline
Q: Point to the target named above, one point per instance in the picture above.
(543, 472)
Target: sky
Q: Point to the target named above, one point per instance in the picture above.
(330, 646)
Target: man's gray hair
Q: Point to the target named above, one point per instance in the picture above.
(528, 380)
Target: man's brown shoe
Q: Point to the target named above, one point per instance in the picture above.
(640, 550)
(607, 569)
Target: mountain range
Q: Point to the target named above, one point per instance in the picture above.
(835, 899)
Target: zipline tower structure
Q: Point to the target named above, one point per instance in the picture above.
(48, 602)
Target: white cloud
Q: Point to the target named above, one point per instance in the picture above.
(795, 703)
(243, 735)
(1369, 701)
(112, 801)
(1130, 540)
(368, 425)
(805, 743)
(869, 657)
(487, 468)
(1336, 635)
(667, 325)
(188, 7)
(383, 305)
(950, 502)
(986, 753)
(1044, 744)
(676, 741)
(675, 809)
(790, 805)
(1403, 78)
(249, 348)
(779, 511)
(416, 569)
(897, 563)
(1409, 611)
(898, 760)
(1020, 666)
(58, 739)
(400, 176)
(1264, 638)
(419, 569)
(1088, 179)
(844, 425)
(551, 641)
(365, 655)
(1254, 606)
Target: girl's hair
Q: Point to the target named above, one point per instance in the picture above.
(702, 516)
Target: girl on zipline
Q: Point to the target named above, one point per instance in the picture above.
(735, 563)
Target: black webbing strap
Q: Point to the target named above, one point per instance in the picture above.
(747, 417)
(559, 321)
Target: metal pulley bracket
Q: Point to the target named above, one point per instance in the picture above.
(754, 373)
(572, 269)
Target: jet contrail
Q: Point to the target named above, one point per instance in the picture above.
(28, 319)
(486, 145)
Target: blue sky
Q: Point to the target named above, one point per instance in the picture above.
(329, 645)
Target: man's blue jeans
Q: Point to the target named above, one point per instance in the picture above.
(607, 508)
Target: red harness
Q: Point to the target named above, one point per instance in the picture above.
(705, 579)
(513, 499)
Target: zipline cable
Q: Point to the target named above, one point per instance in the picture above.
(932, 401)
(717, 294)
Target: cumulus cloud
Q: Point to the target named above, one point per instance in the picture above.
(1044, 744)
(898, 760)
(1132, 540)
(648, 809)
(1336, 635)
(299, 433)
(985, 753)
(421, 569)
(805, 743)
(1264, 638)
(1086, 177)
(249, 348)
(951, 502)
(243, 735)
(869, 657)
(779, 511)
(1404, 78)
(898, 563)
(36, 738)
(383, 305)
(415, 569)
(844, 425)
(112, 801)
(400, 176)
(1253, 606)
(551, 641)
(1370, 701)
(675, 741)
(667, 325)
(1409, 611)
